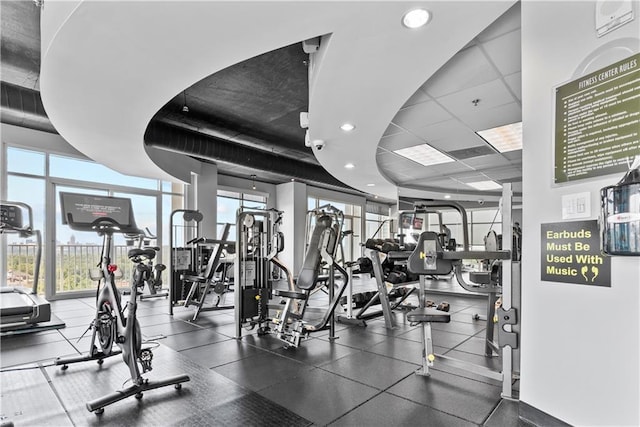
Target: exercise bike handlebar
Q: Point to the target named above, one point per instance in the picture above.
(103, 225)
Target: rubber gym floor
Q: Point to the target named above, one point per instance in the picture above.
(363, 378)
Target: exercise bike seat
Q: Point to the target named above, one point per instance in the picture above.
(155, 248)
(141, 253)
(428, 314)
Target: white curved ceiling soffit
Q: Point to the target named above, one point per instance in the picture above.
(95, 54)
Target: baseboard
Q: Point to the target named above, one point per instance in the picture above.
(535, 417)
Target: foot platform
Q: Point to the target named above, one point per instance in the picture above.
(97, 405)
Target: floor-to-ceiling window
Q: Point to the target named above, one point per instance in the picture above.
(37, 178)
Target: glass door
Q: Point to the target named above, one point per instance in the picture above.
(77, 253)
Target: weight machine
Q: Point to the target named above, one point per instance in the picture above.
(324, 226)
(429, 258)
(258, 242)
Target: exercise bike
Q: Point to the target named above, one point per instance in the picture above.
(151, 273)
(113, 322)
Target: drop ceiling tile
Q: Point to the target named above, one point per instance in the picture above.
(419, 97)
(505, 174)
(392, 130)
(509, 21)
(491, 95)
(489, 118)
(448, 128)
(468, 68)
(420, 115)
(505, 52)
(460, 141)
(514, 156)
(486, 162)
(400, 140)
(514, 81)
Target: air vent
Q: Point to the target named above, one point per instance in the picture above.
(467, 153)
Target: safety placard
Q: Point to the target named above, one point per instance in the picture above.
(597, 122)
(571, 254)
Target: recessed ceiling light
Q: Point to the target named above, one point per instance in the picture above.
(484, 185)
(447, 196)
(371, 185)
(504, 138)
(424, 154)
(349, 166)
(347, 127)
(416, 18)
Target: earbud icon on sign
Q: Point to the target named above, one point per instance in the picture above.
(595, 270)
(584, 272)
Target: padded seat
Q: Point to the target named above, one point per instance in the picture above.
(428, 314)
(289, 294)
(480, 277)
(145, 253)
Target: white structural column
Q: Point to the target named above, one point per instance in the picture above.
(292, 200)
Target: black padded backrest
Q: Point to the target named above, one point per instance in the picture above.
(311, 265)
(424, 260)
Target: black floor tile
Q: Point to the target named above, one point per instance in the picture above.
(18, 341)
(387, 410)
(371, 369)
(316, 352)
(36, 353)
(396, 348)
(168, 329)
(28, 400)
(506, 414)
(220, 353)
(319, 396)
(357, 338)
(440, 338)
(262, 370)
(193, 339)
(461, 397)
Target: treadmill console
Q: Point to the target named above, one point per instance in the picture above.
(11, 217)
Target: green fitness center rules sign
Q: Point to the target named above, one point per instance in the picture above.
(571, 254)
(597, 122)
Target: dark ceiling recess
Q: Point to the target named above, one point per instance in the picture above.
(23, 107)
(255, 103)
(195, 144)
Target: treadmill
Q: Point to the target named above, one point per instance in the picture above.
(21, 308)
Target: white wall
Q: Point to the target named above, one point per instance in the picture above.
(580, 344)
(292, 200)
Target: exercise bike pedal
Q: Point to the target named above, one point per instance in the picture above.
(145, 357)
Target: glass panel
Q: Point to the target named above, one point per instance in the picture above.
(229, 194)
(76, 251)
(452, 217)
(479, 231)
(25, 161)
(486, 215)
(251, 198)
(66, 167)
(311, 203)
(21, 252)
(337, 205)
(227, 210)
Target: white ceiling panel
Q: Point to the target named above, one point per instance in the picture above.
(459, 141)
(514, 81)
(392, 130)
(455, 76)
(417, 98)
(505, 52)
(509, 21)
(492, 94)
(498, 116)
(514, 156)
(420, 115)
(399, 140)
(486, 162)
(447, 129)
